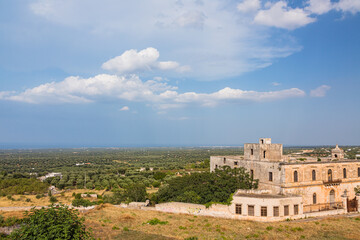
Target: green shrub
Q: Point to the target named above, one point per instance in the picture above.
(78, 196)
(56, 222)
(53, 199)
(156, 184)
(38, 196)
(82, 203)
(21, 186)
(156, 221)
(11, 221)
(206, 187)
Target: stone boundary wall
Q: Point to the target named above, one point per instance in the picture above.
(325, 213)
(222, 211)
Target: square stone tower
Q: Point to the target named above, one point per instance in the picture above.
(263, 151)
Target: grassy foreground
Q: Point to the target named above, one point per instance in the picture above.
(110, 222)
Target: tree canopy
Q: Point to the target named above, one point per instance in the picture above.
(206, 187)
(55, 222)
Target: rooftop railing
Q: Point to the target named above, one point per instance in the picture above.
(332, 182)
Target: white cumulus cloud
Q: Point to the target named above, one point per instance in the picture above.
(133, 89)
(83, 90)
(319, 6)
(281, 16)
(320, 91)
(132, 61)
(249, 6)
(352, 6)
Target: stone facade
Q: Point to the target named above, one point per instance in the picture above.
(321, 183)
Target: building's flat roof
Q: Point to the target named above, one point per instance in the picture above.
(232, 157)
(285, 161)
(264, 195)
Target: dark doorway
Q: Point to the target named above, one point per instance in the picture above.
(352, 205)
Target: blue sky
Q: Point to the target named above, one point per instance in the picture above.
(77, 73)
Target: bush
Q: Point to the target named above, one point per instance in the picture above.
(206, 187)
(78, 196)
(53, 199)
(82, 203)
(39, 196)
(135, 192)
(11, 221)
(156, 221)
(159, 175)
(58, 222)
(156, 184)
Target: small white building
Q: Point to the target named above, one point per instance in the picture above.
(49, 175)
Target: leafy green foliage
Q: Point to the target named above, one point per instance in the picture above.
(21, 186)
(136, 192)
(156, 221)
(53, 199)
(11, 221)
(159, 175)
(55, 222)
(206, 187)
(132, 193)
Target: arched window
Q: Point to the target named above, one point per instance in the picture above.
(359, 172)
(314, 198)
(329, 175)
(295, 176)
(335, 155)
(332, 197)
(264, 154)
(344, 173)
(313, 175)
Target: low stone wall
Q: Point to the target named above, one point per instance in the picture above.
(179, 207)
(223, 211)
(215, 210)
(325, 213)
(135, 205)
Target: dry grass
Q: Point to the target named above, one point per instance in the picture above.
(110, 222)
(20, 200)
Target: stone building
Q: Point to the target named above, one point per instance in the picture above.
(292, 186)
